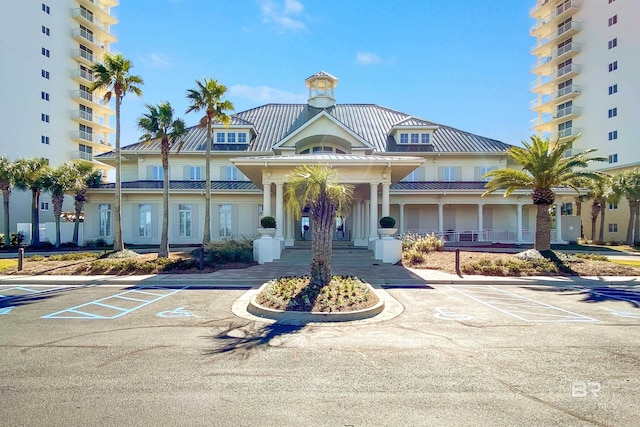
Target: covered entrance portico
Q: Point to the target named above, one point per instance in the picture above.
(371, 176)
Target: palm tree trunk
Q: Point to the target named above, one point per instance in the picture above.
(206, 238)
(603, 207)
(76, 224)
(58, 200)
(163, 250)
(118, 244)
(35, 217)
(543, 228)
(7, 226)
(323, 224)
(632, 213)
(595, 211)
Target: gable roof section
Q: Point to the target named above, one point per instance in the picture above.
(316, 118)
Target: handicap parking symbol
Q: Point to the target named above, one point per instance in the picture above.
(177, 312)
(451, 315)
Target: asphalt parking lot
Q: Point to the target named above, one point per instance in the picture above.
(457, 355)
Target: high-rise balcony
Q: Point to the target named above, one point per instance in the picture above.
(94, 120)
(84, 36)
(82, 76)
(560, 13)
(541, 8)
(94, 23)
(544, 65)
(546, 102)
(566, 113)
(82, 155)
(570, 132)
(101, 9)
(98, 141)
(83, 56)
(82, 95)
(545, 45)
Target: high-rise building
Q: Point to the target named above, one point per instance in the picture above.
(47, 50)
(587, 86)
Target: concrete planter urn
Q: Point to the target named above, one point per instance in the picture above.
(386, 233)
(266, 232)
(267, 226)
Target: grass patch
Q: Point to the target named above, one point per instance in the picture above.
(633, 262)
(73, 256)
(343, 293)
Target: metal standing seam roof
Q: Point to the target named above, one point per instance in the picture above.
(438, 185)
(373, 123)
(183, 185)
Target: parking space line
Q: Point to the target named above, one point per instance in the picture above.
(512, 305)
(85, 310)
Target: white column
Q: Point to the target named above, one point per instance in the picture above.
(480, 223)
(373, 212)
(402, 228)
(290, 235)
(356, 220)
(558, 222)
(519, 223)
(385, 198)
(266, 201)
(365, 223)
(441, 218)
(279, 211)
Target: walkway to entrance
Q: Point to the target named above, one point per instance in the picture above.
(345, 260)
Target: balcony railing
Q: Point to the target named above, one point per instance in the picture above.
(565, 133)
(83, 155)
(569, 26)
(88, 36)
(84, 74)
(567, 69)
(89, 17)
(558, 12)
(79, 53)
(83, 94)
(567, 111)
(570, 47)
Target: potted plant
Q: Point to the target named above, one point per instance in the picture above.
(387, 227)
(267, 226)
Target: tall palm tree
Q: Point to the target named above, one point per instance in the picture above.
(545, 165)
(86, 177)
(627, 184)
(6, 182)
(208, 97)
(316, 187)
(113, 75)
(158, 124)
(31, 174)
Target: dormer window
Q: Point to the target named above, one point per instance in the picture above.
(415, 138)
(231, 137)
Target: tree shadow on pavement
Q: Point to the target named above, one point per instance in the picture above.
(30, 298)
(251, 337)
(596, 294)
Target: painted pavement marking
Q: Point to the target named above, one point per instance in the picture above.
(628, 314)
(114, 306)
(6, 310)
(178, 312)
(520, 307)
(445, 314)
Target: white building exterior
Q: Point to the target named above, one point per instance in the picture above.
(47, 49)
(428, 176)
(586, 86)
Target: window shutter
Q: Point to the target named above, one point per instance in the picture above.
(186, 174)
(421, 173)
(440, 173)
(149, 172)
(477, 175)
(458, 176)
(223, 173)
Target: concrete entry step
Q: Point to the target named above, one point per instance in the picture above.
(342, 256)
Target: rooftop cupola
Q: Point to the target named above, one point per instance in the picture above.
(321, 86)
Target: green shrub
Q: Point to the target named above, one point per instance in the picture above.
(511, 267)
(96, 243)
(592, 257)
(414, 256)
(229, 250)
(268, 222)
(72, 256)
(16, 239)
(36, 258)
(387, 222)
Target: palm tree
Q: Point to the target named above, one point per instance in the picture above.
(31, 174)
(159, 125)
(600, 193)
(6, 182)
(208, 97)
(627, 184)
(58, 181)
(113, 76)
(86, 177)
(316, 187)
(545, 165)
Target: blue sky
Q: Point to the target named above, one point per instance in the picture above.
(462, 63)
